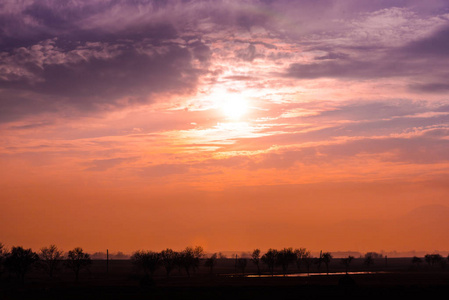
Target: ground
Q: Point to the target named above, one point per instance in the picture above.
(395, 279)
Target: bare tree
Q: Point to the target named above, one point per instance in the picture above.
(369, 260)
(284, 258)
(190, 258)
(374, 255)
(77, 260)
(269, 259)
(416, 261)
(19, 261)
(148, 261)
(211, 262)
(255, 258)
(168, 259)
(300, 253)
(428, 259)
(319, 260)
(307, 260)
(433, 259)
(326, 258)
(346, 262)
(51, 258)
(2, 256)
(241, 264)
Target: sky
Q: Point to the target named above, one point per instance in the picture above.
(234, 125)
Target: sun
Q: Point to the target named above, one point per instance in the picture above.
(234, 107)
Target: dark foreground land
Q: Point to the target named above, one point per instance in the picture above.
(397, 280)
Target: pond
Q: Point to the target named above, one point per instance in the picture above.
(305, 274)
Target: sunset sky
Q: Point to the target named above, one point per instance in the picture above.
(234, 125)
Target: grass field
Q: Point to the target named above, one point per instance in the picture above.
(395, 279)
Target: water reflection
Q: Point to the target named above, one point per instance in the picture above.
(305, 274)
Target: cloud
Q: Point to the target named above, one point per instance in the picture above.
(90, 83)
(248, 54)
(434, 87)
(81, 68)
(332, 55)
(433, 46)
(162, 170)
(393, 42)
(427, 148)
(398, 131)
(99, 165)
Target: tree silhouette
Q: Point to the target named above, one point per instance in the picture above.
(77, 260)
(300, 253)
(284, 258)
(326, 258)
(190, 258)
(416, 260)
(168, 259)
(319, 260)
(433, 259)
(346, 262)
(148, 261)
(19, 261)
(437, 259)
(369, 260)
(428, 259)
(374, 255)
(2, 256)
(211, 262)
(307, 259)
(255, 258)
(269, 259)
(50, 259)
(241, 264)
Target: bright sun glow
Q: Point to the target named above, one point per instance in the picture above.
(234, 108)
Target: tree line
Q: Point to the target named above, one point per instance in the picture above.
(19, 261)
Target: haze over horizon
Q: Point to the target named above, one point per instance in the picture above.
(228, 124)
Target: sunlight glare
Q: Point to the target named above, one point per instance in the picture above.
(234, 108)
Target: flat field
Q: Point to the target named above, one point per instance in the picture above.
(395, 278)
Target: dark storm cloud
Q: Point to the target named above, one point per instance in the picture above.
(55, 57)
(374, 110)
(347, 69)
(434, 46)
(127, 71)
(248, 54)
(83, 82)
(435, 87)
(423, 57)
(25, 24)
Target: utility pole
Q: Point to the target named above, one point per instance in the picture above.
(107, 260)
(235, 266)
